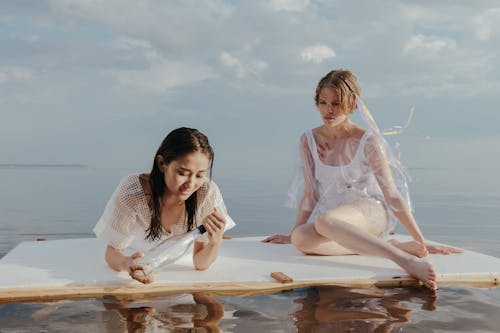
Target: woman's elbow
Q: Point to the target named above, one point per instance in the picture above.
(397, 203)
(111, 256)
(201, 266)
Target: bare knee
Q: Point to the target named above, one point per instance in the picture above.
(301, 240)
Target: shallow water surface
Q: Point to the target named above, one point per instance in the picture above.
(315, 309)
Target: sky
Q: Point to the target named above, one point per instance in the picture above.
(101, 82)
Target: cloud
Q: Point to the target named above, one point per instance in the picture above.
(179, 26)
(164, 76)
(289, 5)
(15, 75)
(317, 53)
(487, 24)
(242, 69)
(425, 45)
(126, 43)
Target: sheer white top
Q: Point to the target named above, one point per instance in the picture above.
(127, 215)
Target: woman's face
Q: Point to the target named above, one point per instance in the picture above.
(330, 108)
(185, 175)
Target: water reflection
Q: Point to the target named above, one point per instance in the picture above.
(177, 313)
(332, 309)
(315, 309)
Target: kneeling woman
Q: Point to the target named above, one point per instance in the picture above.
(177, 196)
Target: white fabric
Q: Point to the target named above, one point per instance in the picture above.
(345, 175)
(127, 215)
(344, 184)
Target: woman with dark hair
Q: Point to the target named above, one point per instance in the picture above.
(176, 197)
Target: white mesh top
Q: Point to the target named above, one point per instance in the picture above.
(127, 215)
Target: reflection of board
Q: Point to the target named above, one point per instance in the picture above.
(75, 268)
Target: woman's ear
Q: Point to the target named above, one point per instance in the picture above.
(160, 162)
(353, 106)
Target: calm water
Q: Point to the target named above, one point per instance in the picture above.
(460, 207)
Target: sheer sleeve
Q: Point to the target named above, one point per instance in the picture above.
(391, 180)
(303, 192)
(125, 213)
(210, 197)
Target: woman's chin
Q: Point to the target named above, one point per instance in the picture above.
(184, 195)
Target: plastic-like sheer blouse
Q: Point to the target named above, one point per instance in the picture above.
(342, 171)
(127, 215)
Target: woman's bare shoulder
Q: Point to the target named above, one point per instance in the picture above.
(357, 131)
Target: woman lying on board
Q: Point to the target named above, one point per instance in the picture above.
(174, 198)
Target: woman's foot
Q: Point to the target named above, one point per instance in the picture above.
(422, 270)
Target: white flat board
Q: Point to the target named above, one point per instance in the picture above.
(74, 268)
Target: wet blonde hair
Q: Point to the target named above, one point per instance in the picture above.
(346, 86)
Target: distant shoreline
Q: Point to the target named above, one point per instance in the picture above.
(41, 165)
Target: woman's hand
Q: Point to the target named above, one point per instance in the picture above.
(136, 271)
(215, 224)
(422, 250)
(118, 261)
(204, 254)
(277, 239)
(442, 249)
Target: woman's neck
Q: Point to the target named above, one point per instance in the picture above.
(341, 130)
(171, 201)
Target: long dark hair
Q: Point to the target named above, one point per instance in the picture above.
(178, 143)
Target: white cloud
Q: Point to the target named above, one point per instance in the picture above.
(487, 24)
(242, 69)
(428, 44)
(140, 45)
(162, 77)
(289, 5)
(179, 25)
(126, 43)
(15, 74)
(317, 53)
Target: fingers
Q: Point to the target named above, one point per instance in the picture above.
(138, 274)
(442, 249)
(137, 255)
(277, 239)
(215, 225)
(269, 239)
(136, 270)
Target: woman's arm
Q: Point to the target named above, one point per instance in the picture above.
(309, 196)
(204, 254)
(302, 218)
(118, 261)
(392, 196)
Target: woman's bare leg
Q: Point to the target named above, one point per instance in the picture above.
(345, 227)
(307, 240)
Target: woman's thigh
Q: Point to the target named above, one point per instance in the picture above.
(307, 239)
